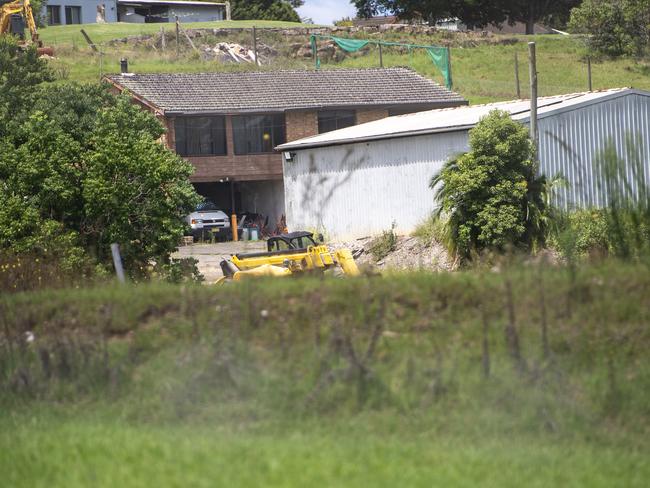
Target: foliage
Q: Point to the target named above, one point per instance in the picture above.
(80, 169)
(473, 13)
(382, 245)
(265, 10)
(615, 28)
(490, 196)
(20, 72)
(180, 271)
(187, 379)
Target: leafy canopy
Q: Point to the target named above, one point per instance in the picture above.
(81, 168)
(265, 10)
(490, 197)
(474, 13)
(615, 27)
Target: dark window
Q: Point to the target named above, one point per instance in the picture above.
(200, 136)
(257, 133)
(53, 15)
(335, 119)
(73, 15)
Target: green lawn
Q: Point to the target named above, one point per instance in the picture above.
(355, 453)
(482, 72)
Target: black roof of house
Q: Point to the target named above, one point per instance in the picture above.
(249, 91)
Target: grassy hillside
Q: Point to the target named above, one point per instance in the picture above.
(527, 377)
(483, 68)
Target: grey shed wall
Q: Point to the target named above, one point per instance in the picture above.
(195, 13)
(355, 190)
(570, 141)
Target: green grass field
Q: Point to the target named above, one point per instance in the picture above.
(70, 34)
(364, 382)
(483, 71)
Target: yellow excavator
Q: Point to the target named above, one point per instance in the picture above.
(286, 255)
(14, 15)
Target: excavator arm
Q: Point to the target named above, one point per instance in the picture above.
(24, 8)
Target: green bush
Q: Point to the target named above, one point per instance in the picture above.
(490, 198)
(615, 27)
(382, 245)
(81, 169)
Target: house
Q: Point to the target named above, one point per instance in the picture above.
(64, 12)
(228, 124)
(357, 181)
(141, 11)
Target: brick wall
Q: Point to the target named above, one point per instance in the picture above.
(301, 124)
(368, 115)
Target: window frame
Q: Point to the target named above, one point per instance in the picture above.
(223, 142)
(321, 114)
(71, 9)
(277, 138)
(50, 9)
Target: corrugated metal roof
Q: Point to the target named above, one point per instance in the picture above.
(285, 90)
(452, 119)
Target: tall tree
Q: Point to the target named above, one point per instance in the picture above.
(474, 13)
(266, 10)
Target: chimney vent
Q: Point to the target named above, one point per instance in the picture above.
(124, 65)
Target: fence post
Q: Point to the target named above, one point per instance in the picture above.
(381, 57)
(178, 37)
(451, 83)
(533, 99)
(257, 63)
(117, 262)
(517, 76)
(589, 72)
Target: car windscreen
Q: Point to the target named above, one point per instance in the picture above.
(206, 207)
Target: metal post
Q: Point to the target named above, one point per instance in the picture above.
(589, 72)
(381, 57)
(534, 135)
(178, 36)
(233, 216)
(162, 38)
(117, 262)
(257, 63)
(517, 77)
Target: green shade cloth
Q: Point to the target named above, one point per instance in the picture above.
(439, 55)
(440, 58)
(350, 45)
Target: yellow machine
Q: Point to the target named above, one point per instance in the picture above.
(287, 255)
(24, 9)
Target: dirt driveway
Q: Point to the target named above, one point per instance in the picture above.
(210, 255)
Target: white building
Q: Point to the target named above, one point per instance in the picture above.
(357, 181)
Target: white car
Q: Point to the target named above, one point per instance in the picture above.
(207, 221)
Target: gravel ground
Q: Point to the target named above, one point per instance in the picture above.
(210, 255)
(409, 254)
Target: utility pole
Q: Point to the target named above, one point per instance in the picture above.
(517, 76)
(534, 134)
(178, 37)
(257, 63)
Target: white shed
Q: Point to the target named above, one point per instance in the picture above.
(358, 181)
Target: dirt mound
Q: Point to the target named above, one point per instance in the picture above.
(410, 253)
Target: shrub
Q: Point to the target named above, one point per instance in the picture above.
(382, 245)
(490, 198)
(615, 27)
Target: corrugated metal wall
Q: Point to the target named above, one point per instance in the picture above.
(569, 144)
(361, 189)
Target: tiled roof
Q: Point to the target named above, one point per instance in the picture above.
(282, 90)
